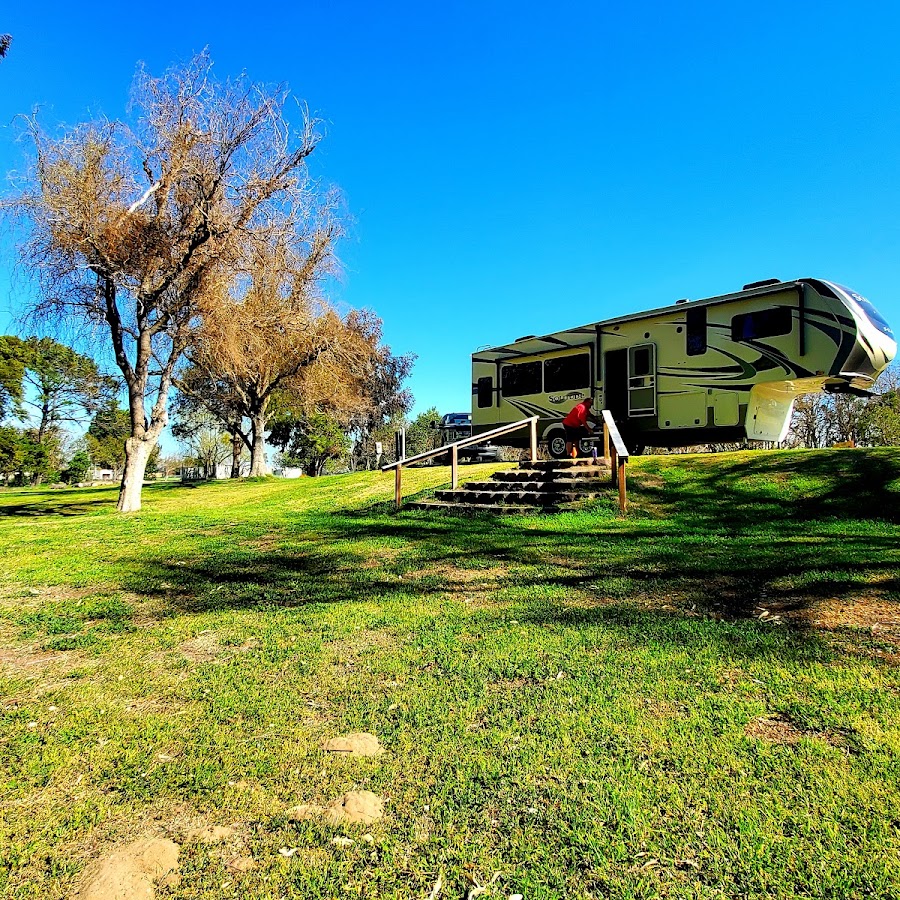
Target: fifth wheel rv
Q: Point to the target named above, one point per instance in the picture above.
(721, 369)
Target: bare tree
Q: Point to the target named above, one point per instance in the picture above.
(135, 229)
(277, 338)
(5, 41)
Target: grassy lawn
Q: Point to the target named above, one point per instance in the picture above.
(699, 700)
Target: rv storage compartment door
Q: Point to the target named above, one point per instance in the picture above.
(725, 407)
(685, 410)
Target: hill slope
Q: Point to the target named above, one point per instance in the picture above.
(701, 699)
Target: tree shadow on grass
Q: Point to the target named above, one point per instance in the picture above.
(646, 571)
(721, 544)
(790, 486)
(272, 582)
(52, 507)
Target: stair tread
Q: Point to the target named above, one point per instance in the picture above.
(563, 463)
(445, 505)
(534, 498)
(543, 486)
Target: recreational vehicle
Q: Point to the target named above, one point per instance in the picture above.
(721, 369)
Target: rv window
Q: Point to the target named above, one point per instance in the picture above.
(520, 379)
(485, 392)
(640, 361)
(761, 324)
(695, 319)
(567, 373)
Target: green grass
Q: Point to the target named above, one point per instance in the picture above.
(582, 703)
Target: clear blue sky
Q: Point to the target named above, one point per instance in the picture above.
(517, 168)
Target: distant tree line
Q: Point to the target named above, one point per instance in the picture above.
(823, 420)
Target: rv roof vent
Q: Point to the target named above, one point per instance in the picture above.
(525, 338)
(764, 283)
(682, 300)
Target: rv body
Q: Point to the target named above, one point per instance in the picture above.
(721, 369)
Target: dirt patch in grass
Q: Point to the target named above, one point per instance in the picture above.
(383, 558)
(204, 648)
(509, 685)
(33, 661)
(875, 613)
(362, 642)
(774, 730)
(455, 575)
(476, 587)
(781, 729)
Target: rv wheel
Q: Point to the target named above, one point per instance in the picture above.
(557, 445)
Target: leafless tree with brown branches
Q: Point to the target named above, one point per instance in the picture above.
(277, 338)
(137, 229)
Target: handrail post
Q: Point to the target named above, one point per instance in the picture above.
(454, 462)
(534, 440)
(397, 494)
(606, 441)
(623, 502)
(613, 464)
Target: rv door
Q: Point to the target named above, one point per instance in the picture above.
(642, 380)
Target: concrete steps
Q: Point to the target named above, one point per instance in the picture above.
(542, 486)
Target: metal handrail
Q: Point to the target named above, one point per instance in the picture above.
(398, 465)
(614, 449)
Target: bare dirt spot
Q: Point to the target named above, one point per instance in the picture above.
(33, 662)
(205, 648)
(457, 575)
(775, 730)
(351, 649)
(781, 729)
(475, 587)
(212, 834)
(131, 872)
(875, 613)
(509, 685)
(385, 556)
(361, 744)
(352, 808)
(28, 660)
(240, 864)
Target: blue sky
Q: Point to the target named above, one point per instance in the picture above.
(517, 168)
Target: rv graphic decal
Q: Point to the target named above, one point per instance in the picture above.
(564, 398)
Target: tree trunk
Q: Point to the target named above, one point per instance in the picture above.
(136, 453)
(258, 451)
(237, 446)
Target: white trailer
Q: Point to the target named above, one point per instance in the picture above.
(721, 369)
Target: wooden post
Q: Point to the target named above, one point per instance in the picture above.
(623, 503)
(534, 440)
(397, 495)
(605, 441)
(613, 469)
(454, 461)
